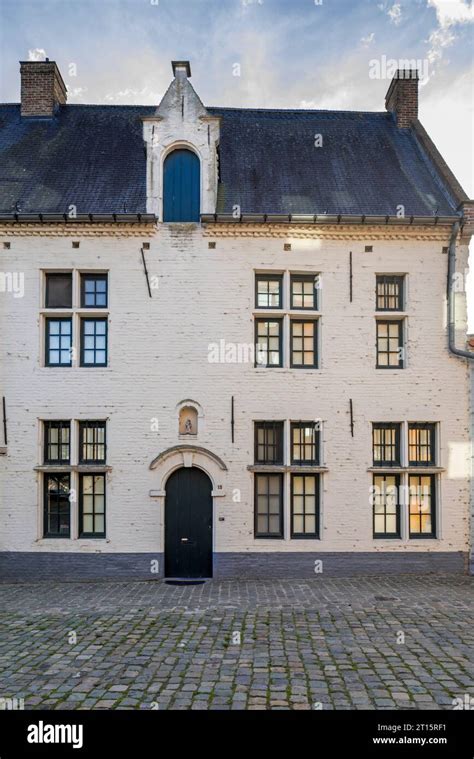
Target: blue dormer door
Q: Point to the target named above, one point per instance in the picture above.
(181, 186)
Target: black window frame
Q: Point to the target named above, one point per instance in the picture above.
(49, 275)
(278, 428)
(94, 364)
(315, 364)
(317, 495)
(268, 535)
(314, 444)
(81, 533)
(401, 362)
(94, 424)
(432, 535)
(279, 321)
(390, 279)
(304, 278)
(49, 320)
(387, 535)
(58, 476)
(269, 278)
(431, 428)
(385, 462)
(60, 425)
(88, 277)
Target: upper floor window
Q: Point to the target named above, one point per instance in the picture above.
(389, 292)
(59, 290)
(390, 348)
(181, 186)
(268, 291)
(304, 291)
(94, 290)
(58, 342)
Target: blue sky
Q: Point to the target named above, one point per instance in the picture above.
(291, 54)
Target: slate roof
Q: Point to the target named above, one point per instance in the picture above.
(93, 156)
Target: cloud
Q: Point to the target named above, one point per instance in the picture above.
(366, 41)
(144, 96)
(37, 54)
(395, 13)
(76, 92)
(448, 14)
(452, 11)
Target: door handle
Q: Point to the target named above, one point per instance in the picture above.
(184, 540)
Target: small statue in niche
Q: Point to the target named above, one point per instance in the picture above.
(188, 421)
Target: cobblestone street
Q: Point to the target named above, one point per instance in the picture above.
(395, 642)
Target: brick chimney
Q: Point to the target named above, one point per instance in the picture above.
(402, 97)
(42, 88)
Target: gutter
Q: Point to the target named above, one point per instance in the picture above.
(275, 218)
(80, 218)
(451, 304)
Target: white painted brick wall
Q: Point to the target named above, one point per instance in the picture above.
(158, 352)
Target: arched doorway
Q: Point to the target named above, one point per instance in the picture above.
(181, 186)
(188, 524)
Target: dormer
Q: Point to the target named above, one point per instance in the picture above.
(182, 141)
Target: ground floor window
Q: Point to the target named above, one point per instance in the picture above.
(92, 505)
(422, 506)
(268, 505)
(386, 506)
(57, 507)
(305, 505)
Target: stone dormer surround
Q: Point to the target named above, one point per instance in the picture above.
(181, 121)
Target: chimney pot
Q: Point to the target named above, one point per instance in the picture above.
(42, 88)
(402, 97)
(181, 65)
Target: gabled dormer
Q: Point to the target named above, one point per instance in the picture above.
(182, 141)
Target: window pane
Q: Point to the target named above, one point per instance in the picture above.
(58, 290)
(94, 291)
(268, 505)
(58, 336)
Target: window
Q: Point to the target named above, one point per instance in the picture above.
(422, 497)
(94, 290)
(94, 342)
(58, 342)
(389, 344)
(92, 505)
(421, 444)
(304, 291)
(92, 443)
(269, 442)
(386, 444)
(305, 506)
(181, 186)
(268, 291)
(303, 344)
(268, 505)
(56, 506)
(268, 340)
(56, 442)
(59, 290)
(389, 293)
(304, 443)
(386, 506)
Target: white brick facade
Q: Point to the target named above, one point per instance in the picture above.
(158, 357)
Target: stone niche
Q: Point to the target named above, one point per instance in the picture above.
(188, 421)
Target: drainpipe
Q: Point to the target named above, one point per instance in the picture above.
(451, 305)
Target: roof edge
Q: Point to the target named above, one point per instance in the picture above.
(445, 174)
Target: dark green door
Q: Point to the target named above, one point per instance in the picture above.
(188, 524)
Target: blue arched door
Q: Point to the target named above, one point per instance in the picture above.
(181, 186)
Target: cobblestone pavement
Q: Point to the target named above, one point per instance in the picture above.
(364, 643)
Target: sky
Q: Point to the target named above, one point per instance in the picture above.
(334, 54)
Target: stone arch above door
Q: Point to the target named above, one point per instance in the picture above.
(188, 456)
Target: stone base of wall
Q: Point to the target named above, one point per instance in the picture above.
(75, 567)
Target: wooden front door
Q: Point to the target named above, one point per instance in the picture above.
(188, 524)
